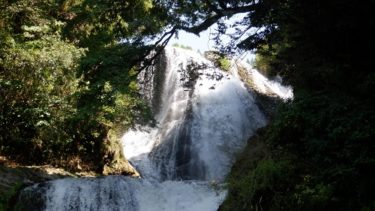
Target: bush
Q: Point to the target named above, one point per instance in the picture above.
(224, 63)
(319, 149)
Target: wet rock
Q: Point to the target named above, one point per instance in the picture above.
(32, 198)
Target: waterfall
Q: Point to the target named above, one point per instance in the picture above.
(204, 117)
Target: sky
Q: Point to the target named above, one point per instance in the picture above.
(203, 42)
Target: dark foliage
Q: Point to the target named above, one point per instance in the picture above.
(321, 143)
(67, 86)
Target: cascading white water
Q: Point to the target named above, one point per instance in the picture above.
(204, 118)
(201, 126)
(128, 194)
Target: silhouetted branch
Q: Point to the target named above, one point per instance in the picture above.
(158, 48)
(227, 12)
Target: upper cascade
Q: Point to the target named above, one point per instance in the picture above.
(204, 117)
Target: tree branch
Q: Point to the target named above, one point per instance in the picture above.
(212, 7)
(158, 47)
(227, 12)
(202, 26)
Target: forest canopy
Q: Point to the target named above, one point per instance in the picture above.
(68, 88)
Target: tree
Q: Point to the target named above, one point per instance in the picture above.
(67, 72)
(317, 138)
(37, 81)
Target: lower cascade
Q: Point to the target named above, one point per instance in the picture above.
(203, 118)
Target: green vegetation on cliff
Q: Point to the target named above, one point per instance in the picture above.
(320, 148)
